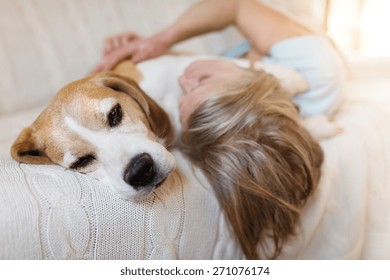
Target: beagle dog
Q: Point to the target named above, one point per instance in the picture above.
(107, 127)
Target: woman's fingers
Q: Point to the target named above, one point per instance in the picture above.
(118, 41)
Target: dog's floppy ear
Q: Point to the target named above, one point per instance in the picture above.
(157, 117)
(26, 149)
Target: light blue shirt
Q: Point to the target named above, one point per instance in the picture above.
(317, 61)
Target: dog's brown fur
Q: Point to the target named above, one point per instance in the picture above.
(36, 144)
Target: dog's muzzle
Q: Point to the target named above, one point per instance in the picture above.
(140, 172)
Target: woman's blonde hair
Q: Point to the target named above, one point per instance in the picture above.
(262, 164)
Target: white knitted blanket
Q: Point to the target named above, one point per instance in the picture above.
(47, 212)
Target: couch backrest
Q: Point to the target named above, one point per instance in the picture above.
(45, 44)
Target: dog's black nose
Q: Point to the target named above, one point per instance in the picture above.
(141, 171)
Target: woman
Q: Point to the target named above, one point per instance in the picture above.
(243, 131)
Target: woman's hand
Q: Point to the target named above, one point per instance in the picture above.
(118, 41)
(132, 46)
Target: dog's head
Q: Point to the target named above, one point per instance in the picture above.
(104, 126)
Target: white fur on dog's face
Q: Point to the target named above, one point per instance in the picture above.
(114, 148)
(104, 132)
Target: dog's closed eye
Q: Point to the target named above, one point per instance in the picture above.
(114, 117)
(83, 161)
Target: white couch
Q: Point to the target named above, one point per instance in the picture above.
(47, 212)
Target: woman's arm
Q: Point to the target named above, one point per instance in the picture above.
(203, 17)
(262, 25)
